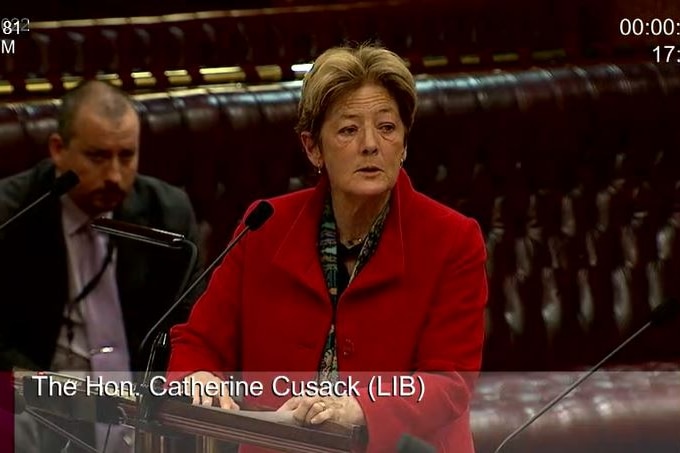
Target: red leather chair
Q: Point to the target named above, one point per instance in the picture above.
(574, 176)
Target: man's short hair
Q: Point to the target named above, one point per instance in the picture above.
(109, 102)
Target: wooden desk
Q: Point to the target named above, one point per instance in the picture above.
(176, 418)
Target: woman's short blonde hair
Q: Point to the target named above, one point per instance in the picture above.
(342, 70)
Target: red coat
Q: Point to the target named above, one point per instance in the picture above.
(417, 305)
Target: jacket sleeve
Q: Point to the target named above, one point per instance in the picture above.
(448, 352)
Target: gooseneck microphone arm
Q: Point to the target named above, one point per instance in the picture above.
(660, 314)
(192, 287)
(148, 235)
(159, 238)
(253, 221)
(61, 185)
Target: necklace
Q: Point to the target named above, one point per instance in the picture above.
(351, 247)
(355, 242)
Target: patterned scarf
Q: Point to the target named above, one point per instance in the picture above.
(328, 252)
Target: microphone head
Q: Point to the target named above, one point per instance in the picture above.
(665, 312)
(411, 444)
(136, 232)
(64, 183)
(259, 215)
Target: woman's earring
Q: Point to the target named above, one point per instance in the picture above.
(318, 170)
(401, 162)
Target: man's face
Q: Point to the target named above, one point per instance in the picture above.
(104, 153)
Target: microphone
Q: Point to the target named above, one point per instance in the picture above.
(61, 185)
(253, 221)
(159, 238)
(412, 444)
(661, 314)
(149, 235)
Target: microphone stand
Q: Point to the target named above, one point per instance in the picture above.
(61, 185)
(195, 283)
(159, 348)
(253, 221)
(12, 219)
(144, 397)
(144, 408)
(660, 314)
(164, 239)
(143, 391)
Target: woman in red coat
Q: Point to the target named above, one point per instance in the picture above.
(359, 276)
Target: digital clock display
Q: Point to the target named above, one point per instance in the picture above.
(14, 26)
(653, 27)
(666, 54)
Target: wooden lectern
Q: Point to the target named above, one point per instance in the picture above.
(175, 418)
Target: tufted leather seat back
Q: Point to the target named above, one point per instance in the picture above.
(572, 172)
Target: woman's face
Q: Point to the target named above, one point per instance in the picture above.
(361, 144)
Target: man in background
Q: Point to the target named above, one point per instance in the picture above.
(79, 301)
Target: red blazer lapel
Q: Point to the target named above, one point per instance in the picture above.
(298, 254)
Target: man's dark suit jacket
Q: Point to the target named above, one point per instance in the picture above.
(34, 270)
